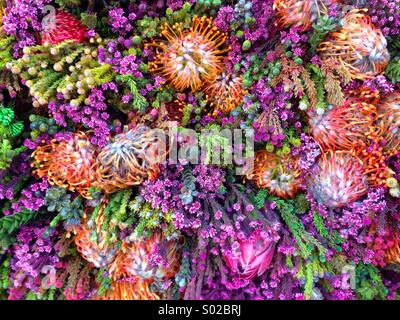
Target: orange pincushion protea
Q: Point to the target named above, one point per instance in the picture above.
(225, 93)
(359, 46)
(137, 262)
(192, 57)
(374, 161)
(300, 13)
(69, 164)
(126, 290)
(275, 173)
(344, 127)
(129, 158)
(389, 122)
(341, 179)
(393, 253)
(91, 241)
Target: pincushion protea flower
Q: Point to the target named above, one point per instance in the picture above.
(389, 121)
(277, 174)
(252, 259)
(189, 58)
(67, 163)
(92, 242)
(65, 27)
(341, 179)
(344, 127)
(129, 158)
(126, 290)
(225, 93)
(300, 13)
(138, 253)
(393, 252)
(359, 46)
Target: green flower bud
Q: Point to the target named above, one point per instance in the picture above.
(246, 45)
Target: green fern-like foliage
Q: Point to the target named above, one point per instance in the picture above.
(5, 51)
(138, 102)
(5, 276)
(369, 284)
(10, 224)
(9, 130)
(393, 70)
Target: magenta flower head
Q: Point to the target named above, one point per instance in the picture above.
(252, 259)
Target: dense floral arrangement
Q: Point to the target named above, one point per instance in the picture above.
(92, 205)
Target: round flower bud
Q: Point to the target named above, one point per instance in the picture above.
(32, 71)
(54, 51)
(44, 65)
(70, 86)
(69, 59)
(36, 104)
(58, 66)
(320, 111)
(87, 51)
(81, 91)
(29, 83)
(71, 68)
(42, 101)
(26, 50)
(302, 106)
(395, 192)
(15, 70)
(246, 45)
(26, 58)
(74, 103)
(392, 182)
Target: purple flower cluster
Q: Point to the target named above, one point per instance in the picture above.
(119, 22)
(22, 20)
(34, 256)
(93, 115)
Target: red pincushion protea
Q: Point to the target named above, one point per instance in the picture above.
(344, 127)
(341, 179)
(65, 27)
(254, 257)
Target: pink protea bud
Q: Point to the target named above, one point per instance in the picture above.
(66, 27)
(253, 259)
